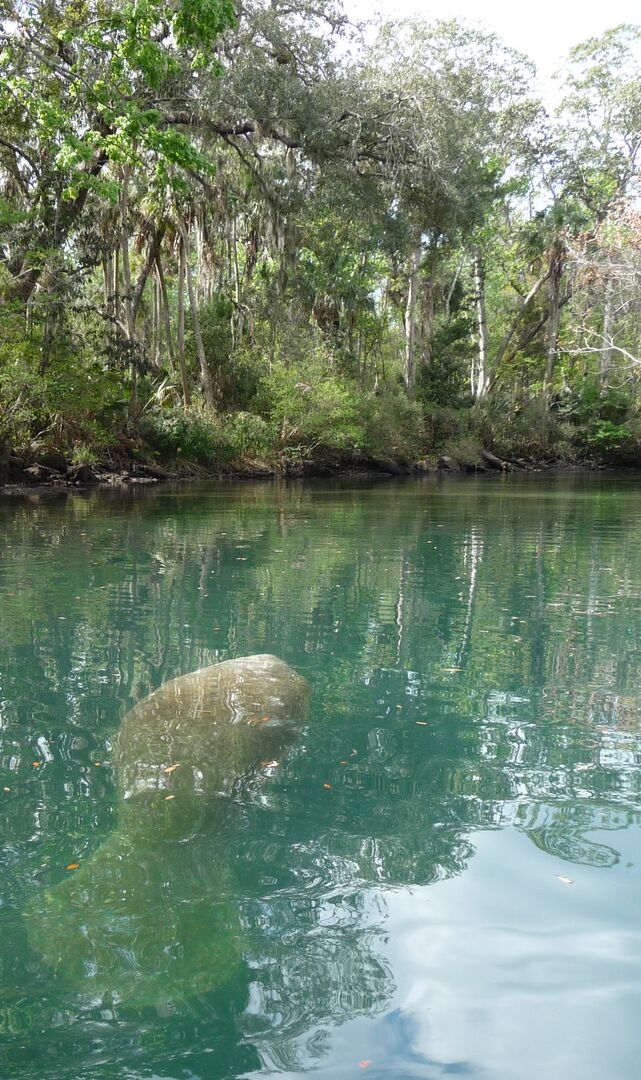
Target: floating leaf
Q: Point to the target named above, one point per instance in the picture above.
(258, 720)
(73, 866)
(328, 786)
(269, 764)
(36, 764)
(171, 768)
(565, 880)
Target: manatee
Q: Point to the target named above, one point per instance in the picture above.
(151, 917)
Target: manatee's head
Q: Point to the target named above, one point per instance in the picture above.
(263, 690)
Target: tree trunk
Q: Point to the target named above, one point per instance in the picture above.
(410, 318)
(124, 253)
(608, 352)
(554, 318)
(108, 283)
(480, 384)
(150, 259)
(126, 279)
(205, 374)
(164, 310)
(181, 325)
(426, 321)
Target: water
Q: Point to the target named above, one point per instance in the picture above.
(441, 876)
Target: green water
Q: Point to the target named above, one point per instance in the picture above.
(465, 895)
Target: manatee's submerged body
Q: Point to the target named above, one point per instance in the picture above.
(151, 915)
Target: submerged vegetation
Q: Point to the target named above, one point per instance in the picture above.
(263, 235)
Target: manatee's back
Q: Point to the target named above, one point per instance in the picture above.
(201, 732)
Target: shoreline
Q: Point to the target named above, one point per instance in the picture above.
(42, 475)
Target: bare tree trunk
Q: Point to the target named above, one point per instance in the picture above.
(481, 383)
(117, 308)
(181, 325)
(205, 374)
(410, 318)
(426, 321)
(237, 318)
(126, 279)
(450, 293)
(150, 259)
(108, 283)
(554, 318)
(608, 352)
(159, 318)
(491, 376)
(166, 320)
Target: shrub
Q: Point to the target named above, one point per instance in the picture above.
(466, 450)
(310, 409)
(392, 423)
(249, 435)
(520, 429)
(187, 435)
(445, 424)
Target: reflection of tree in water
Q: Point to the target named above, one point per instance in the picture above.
(373, 597)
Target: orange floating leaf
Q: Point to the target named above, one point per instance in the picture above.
(36, 764)
(73, 866)
(171, 768)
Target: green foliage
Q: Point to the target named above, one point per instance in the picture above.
(251, 437)
(332, 230)
(444, 425)
(311, 408)
(54, 394)
(445, 379)
(606, 424)
(393, 424)
(192, 436)
(84, 454)
(465, 449)
(610, 439)
(521, 429)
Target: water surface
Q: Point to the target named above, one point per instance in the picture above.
(443, 873)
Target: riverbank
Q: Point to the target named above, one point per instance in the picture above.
(50, 469)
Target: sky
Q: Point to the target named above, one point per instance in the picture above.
(545, 31)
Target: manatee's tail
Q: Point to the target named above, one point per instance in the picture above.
(143, 921)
